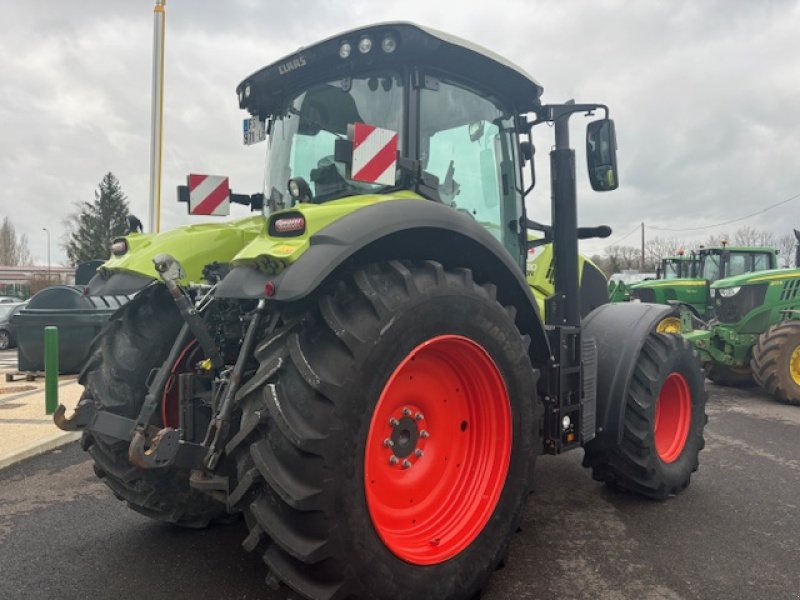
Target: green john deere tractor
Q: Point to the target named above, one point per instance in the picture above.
(670, 267)
(705, 267)
(756, 332)
(370, 378)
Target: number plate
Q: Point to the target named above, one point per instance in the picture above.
(254, 131)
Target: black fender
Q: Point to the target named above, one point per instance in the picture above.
(619, 330)
(401, 229)
(117, 284)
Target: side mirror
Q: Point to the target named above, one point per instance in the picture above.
(601, 155)
(526, 152)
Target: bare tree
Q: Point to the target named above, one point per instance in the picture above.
(657, 248)
(13, 250)
(786, 250)
(750, 236)
(622, 257)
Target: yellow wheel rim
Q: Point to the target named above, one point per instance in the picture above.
(669, 325)
(794, 365)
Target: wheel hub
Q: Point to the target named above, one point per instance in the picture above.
(406, 439)
(794, 365)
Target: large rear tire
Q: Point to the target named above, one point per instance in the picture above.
(136, 340)
(662, 425)
(776, 361)
(387, 441)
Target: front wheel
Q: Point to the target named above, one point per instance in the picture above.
(776, 361)
(663, 422)
(398, 449)
(136, 340)
(729, 376)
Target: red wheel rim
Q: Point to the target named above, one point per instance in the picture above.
(673, 417)
(170, 400)
(438, 450)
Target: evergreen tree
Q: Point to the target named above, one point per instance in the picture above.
(98, 223)
(13, 250)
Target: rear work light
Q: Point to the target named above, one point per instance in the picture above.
(119, 247)
(289, 225)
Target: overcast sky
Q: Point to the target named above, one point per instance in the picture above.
(704, 95)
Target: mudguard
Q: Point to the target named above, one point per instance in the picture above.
(408, 229)
(619, 330)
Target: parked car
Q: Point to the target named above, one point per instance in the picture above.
(8, 338)
(8, 300)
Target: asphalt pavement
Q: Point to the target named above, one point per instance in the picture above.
(734, 534)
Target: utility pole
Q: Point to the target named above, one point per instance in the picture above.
(642, 267)
(156, 119)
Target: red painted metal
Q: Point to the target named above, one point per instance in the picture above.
(673, 417)
(170, 401)
(430, 503)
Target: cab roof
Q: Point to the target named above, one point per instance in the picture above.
(753, 249)
(264, 92)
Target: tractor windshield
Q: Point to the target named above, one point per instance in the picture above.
(302, 138)
(672, 269)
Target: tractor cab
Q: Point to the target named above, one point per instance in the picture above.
(679, 266)
(719, 262)
(373, 114)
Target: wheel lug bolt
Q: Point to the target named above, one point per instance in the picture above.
(394, 422)
(424, 434)
(419, 453)
(388, 443)
(393, 460)
(406, 412)
(419, 416)
(406, 464)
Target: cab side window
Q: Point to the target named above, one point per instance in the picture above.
(466, 141)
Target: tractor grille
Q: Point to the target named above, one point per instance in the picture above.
(731, 310)
(644, 295)
(791, 289)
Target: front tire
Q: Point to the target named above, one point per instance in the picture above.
(343, 492)
(136, 340)
(663, 423)
(776, 361)
(729, 376)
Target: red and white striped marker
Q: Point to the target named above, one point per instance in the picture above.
(209, 195)
(374, 154)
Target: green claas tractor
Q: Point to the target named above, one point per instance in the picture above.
(756, 332)
(692, 293)
(369, 378)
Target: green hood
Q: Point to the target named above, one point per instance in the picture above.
(194, 246)
(770, 276)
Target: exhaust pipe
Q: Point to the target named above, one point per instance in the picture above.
(797, 249)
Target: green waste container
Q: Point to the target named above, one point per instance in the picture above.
(79, 319)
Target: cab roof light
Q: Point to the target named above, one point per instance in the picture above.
(364, 45)
(389, 44)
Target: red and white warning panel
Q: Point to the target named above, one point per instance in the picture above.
(374, 154)
(209, 195)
